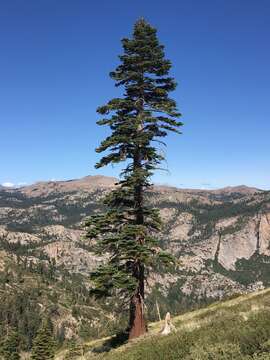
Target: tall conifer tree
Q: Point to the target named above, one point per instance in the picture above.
(9, 349)
(44, 344)
(138, 121)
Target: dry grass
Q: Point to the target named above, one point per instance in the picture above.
(240, 308)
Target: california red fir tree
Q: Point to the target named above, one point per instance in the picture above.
(139, 121)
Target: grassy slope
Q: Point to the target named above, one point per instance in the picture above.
(233, 329)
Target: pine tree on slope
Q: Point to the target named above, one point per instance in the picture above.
(138, 121)
(9, 349)
(74, 351)
(44, 343)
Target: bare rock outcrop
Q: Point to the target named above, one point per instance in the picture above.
(264, 234)
(202, 228)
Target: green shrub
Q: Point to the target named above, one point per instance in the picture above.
(224, 351)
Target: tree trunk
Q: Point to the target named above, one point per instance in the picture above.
(137, 323)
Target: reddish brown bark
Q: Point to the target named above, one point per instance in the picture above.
(137, 322)
(137, 319)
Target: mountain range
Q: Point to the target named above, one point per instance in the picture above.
(221, 239)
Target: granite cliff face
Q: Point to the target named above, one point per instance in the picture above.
(221, 237)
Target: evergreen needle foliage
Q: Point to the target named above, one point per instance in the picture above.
(9, 349)
(44, 343)
(138, 121)
(74, 350)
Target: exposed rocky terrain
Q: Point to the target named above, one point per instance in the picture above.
(221, 238)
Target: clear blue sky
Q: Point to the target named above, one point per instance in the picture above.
(55, 56)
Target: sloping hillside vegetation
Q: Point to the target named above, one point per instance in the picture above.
(221, 239)
(234, 329)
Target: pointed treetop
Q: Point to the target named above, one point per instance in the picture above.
(142, 23)
(141, 20)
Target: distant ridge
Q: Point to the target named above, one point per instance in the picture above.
(242, 189)
(99, 181)
(84, 184)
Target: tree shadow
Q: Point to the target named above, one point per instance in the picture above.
(114, 342)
